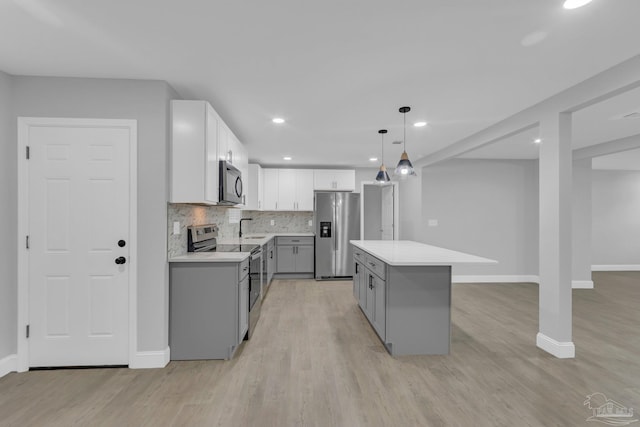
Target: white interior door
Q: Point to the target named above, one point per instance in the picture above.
(78, 225)
(387, 210)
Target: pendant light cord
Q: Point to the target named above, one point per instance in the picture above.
(404, 131)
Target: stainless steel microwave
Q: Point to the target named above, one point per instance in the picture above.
(230, 184)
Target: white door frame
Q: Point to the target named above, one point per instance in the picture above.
(396, 208)
(24, 124)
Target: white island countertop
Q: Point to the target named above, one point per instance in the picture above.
(408, 253)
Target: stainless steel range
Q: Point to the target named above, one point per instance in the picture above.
(204, 238)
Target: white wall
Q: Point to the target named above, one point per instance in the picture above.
(581, 221)
(8, 217)
(148, 103)
(483, 207)
(616, 217)
(372, 198)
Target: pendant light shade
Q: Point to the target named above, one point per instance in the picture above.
(382, 177)
(404, 168)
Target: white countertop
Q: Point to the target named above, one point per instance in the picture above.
(255, 239)
(408, 253)
(211, 257)
(260, 238)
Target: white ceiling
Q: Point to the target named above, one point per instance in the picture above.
(338, 71)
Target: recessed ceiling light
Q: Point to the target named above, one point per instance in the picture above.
(574, 4)
(420, 124)
(286, 158)
(537, 141)
(373, 159)
(278, 120)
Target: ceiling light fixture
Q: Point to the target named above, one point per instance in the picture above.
(286, 158)
(404, 168)
(373, 159)
(420, 124)
(278, 120)
(382, 177)
(537, 140)
(574, 4)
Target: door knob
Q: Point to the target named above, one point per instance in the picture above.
(121, 243)
(121, 260)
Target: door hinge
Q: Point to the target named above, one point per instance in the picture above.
(27, 242)
(28, 327)
(28, 154)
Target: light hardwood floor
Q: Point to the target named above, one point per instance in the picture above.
(315, 361)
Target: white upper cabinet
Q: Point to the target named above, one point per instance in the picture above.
(304, 190)
(334, 179)
(199, 139)
(256, 188)
(194, 145)
(270, 195)
(288, 189)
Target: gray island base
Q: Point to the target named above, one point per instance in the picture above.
(404, 290)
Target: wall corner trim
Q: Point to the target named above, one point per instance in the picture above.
(582, 284)
(621, 267)
(150, 359)
(561, 350)
(8, 364)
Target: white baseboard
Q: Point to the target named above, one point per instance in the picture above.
(620, 267)
(582, 284)
(561, 350)
(494, 279)
(8, 364)
(150, 359)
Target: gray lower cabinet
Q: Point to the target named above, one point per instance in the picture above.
(409, 307)
(271, 259)
(374, 303)
(208, 309)
(294, 254)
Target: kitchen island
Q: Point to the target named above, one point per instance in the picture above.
(404, 290)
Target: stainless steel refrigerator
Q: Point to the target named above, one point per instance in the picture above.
(337, 220)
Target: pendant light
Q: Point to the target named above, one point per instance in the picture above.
(382, 177)
(404, 168)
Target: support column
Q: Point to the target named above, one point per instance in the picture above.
(555, 165)
(581, 227)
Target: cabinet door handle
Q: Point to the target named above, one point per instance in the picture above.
(356, 268)
(370, 282)
(372, 264)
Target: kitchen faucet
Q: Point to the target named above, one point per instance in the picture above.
(243, 219)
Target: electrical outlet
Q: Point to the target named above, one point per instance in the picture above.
(273, 222)
(176, 227)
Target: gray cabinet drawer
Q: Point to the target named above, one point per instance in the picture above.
(244, 269)
(295, 240)
(376, 266)
(359, 255)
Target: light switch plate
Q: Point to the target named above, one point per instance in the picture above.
(176, 227)
(310, 222)
(273, 222)
(433, 223)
